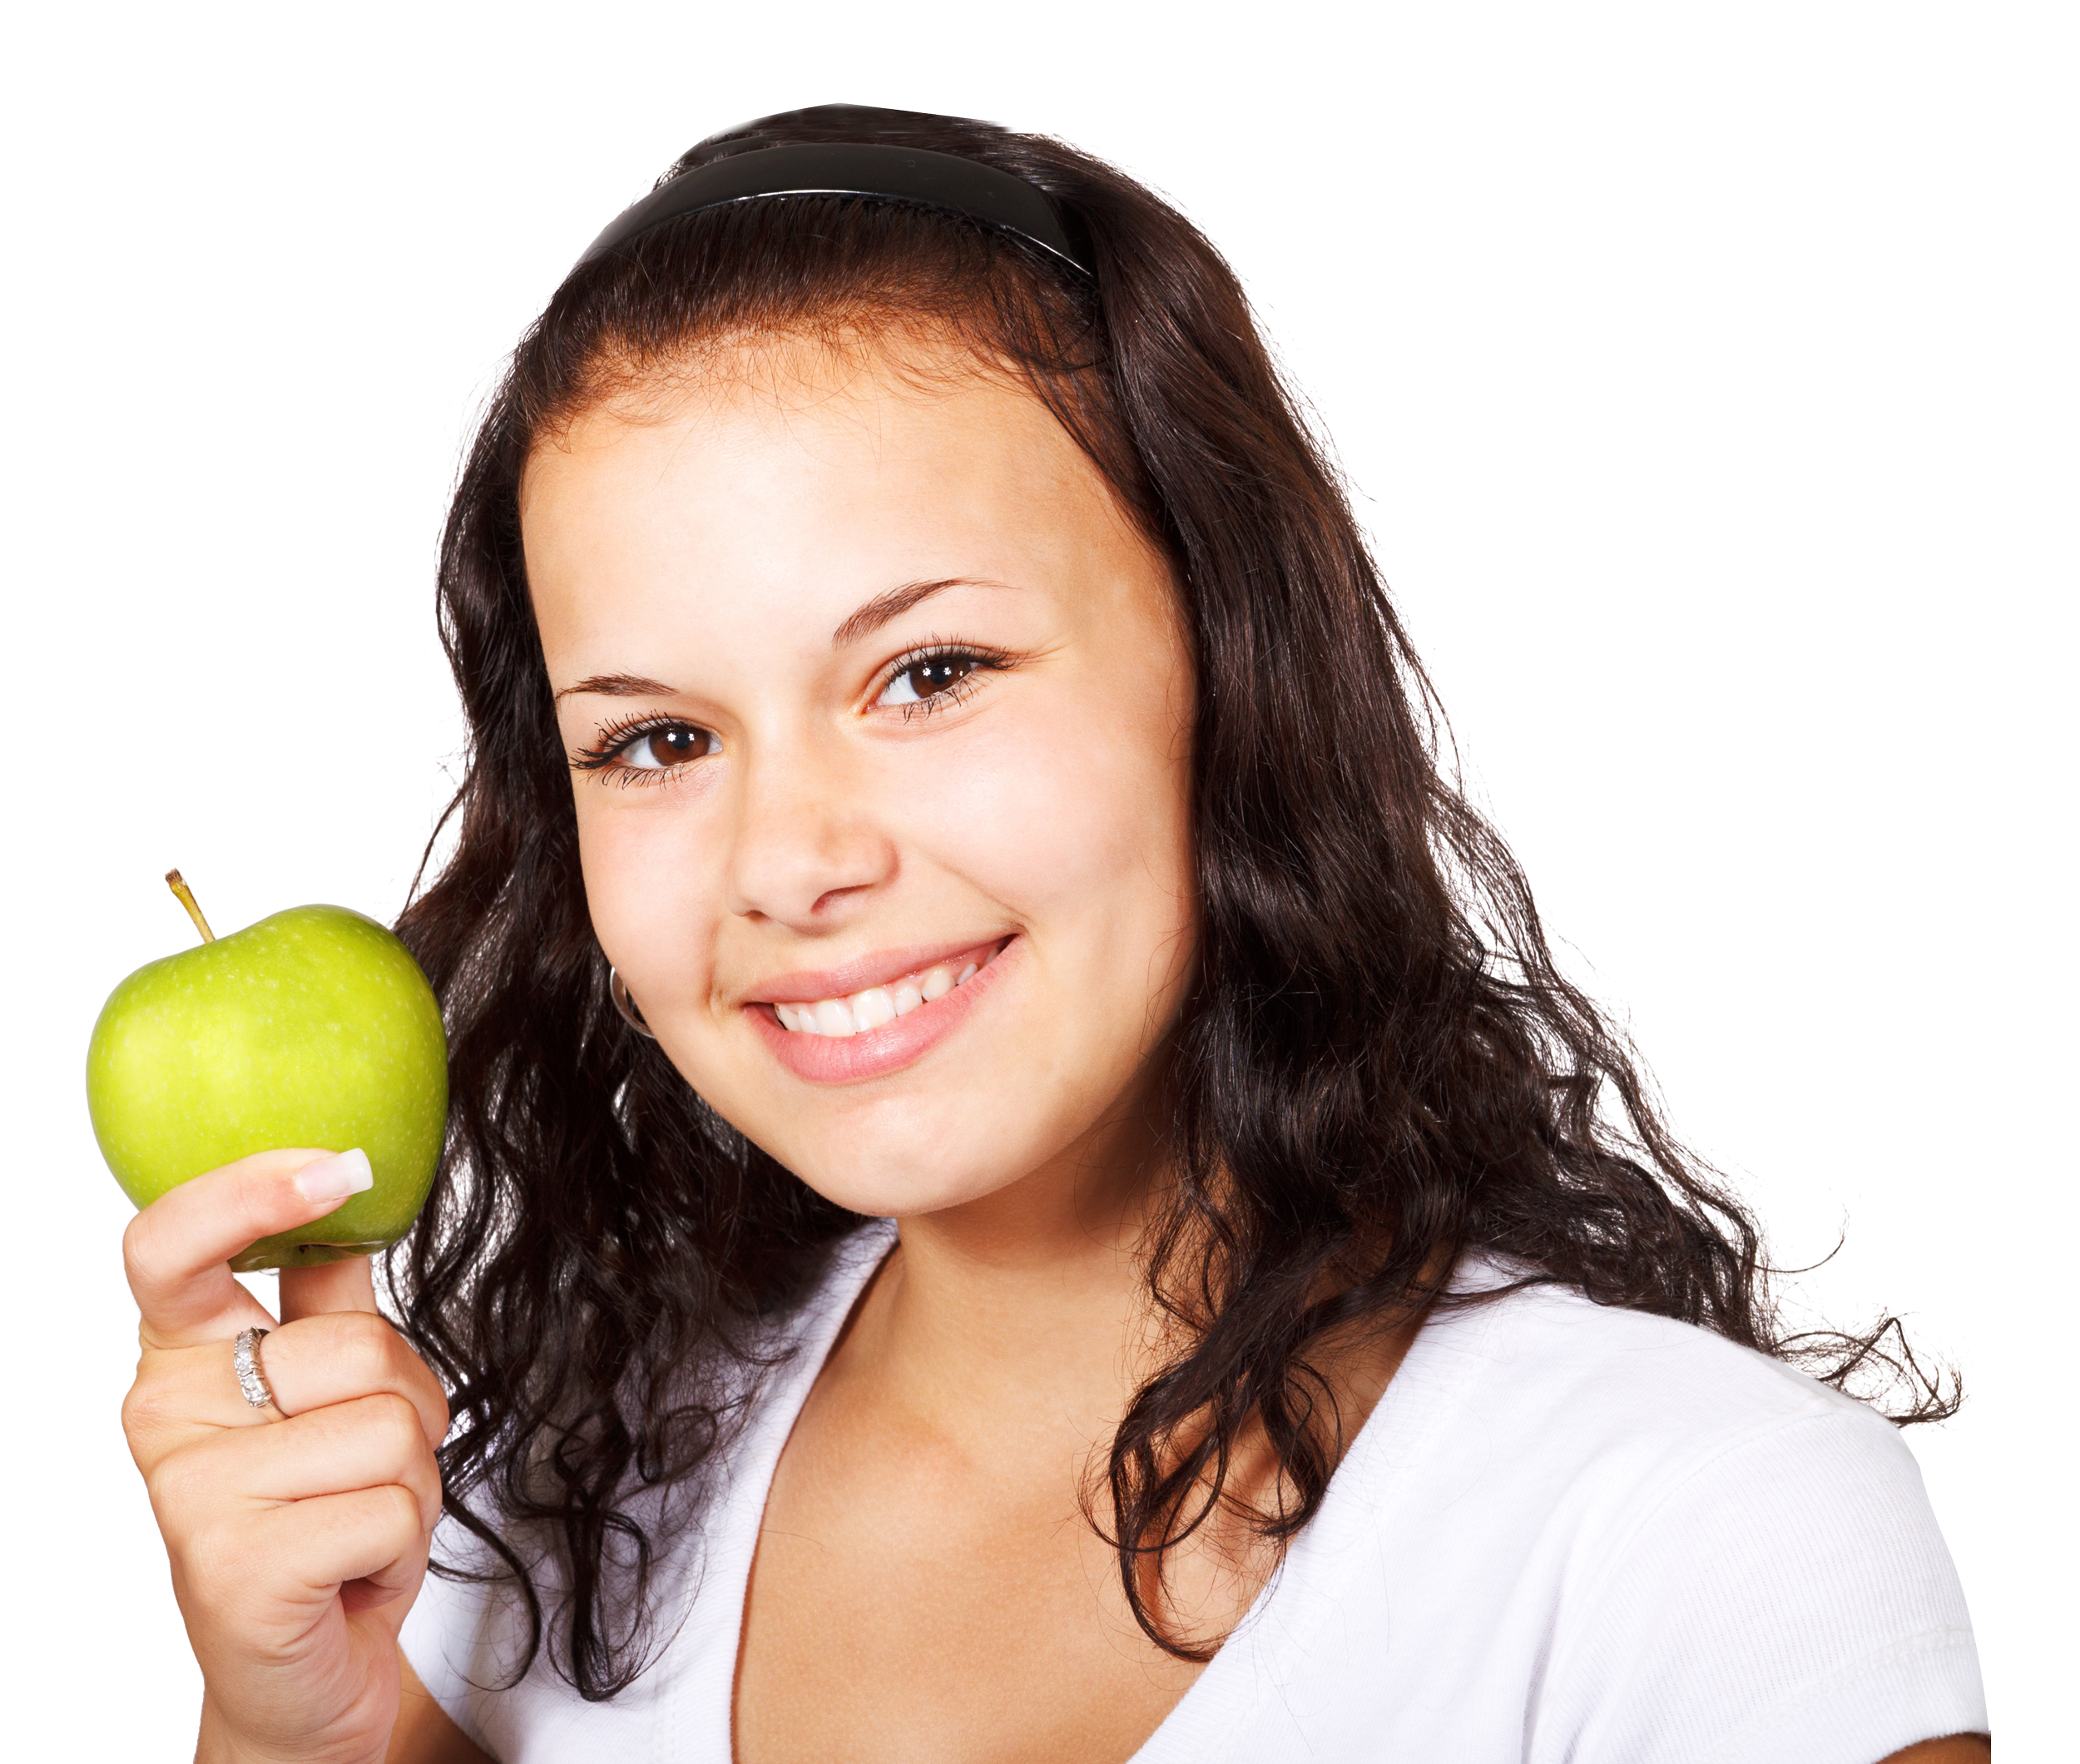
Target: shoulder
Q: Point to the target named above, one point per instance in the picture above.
(1721, 1557)
(1568, 1532)
(1612, 1390)
(1596, 1417)
(1641, 1437)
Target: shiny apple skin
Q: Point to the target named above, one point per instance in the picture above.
(312, 1028)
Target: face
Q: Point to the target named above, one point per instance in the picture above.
(879, 713)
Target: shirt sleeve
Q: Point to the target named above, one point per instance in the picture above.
(1791, 1597)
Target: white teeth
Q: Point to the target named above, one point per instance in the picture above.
(875, 1006)
(872, 1008)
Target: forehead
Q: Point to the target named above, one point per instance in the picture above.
(749, 453)
(780, 479)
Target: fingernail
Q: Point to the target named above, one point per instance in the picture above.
(335, 1178)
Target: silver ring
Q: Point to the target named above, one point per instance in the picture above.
(245, 1362)
(618, 990)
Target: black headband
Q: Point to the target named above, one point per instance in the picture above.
(945, 180)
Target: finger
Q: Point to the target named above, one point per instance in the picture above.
(333, 1285)
(311, 1364)
(182, 1394)
(371, 1539)
(340, 1356)
(177, 1250)
(365, 1444)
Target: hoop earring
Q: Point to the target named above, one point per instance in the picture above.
(618, 992)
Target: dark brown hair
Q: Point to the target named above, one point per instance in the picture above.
(1377, 1066)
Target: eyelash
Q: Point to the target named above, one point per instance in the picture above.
(616, 738)
(954, 692)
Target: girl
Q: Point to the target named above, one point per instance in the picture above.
(1022, 1184)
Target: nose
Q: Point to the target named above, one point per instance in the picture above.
(806, 844)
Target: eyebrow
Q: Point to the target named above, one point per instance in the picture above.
(891, 604)
(618, 685)
(897, 602)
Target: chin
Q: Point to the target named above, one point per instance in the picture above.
(892, 1183)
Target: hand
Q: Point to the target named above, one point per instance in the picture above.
(298, 1535)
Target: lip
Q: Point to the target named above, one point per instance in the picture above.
(848, 1059)
(806, 985)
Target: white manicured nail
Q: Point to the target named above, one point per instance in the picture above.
(335, 1178)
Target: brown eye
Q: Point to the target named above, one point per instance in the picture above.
(663, 748)
(928, 677)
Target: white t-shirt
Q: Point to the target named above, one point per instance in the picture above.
(1566, 1533)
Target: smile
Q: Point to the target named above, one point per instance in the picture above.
(877, 1004)
(880, 1013)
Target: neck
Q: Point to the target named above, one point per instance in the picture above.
(1016, 1328)
(1030, 1301)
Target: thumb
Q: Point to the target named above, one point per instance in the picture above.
(349, 1284)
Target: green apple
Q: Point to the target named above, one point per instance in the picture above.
(313, 1027)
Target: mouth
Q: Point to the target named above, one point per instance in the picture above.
(829, 1028)
(871, 1007)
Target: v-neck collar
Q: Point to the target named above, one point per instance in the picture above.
(1296, 1599)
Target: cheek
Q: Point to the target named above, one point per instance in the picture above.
(649, 892)
(1073, 815)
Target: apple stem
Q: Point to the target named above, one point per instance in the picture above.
(185, 896)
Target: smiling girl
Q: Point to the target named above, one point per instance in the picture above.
(1022, 1184)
